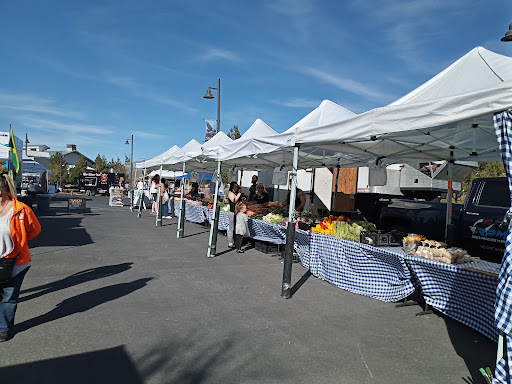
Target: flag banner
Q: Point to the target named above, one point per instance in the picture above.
(211, 129)
(14, 153)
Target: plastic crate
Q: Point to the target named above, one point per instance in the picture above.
(382, 239)
(305, 226)
(268, 248)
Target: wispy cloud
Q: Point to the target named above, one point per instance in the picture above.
(145, 92)
(297, 103)
(298, 12)
(147, 135)
(34, 104)
(346, 84)
(403, 25)
(220, 54)
(58, 126)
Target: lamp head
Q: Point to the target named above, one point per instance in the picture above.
(508, 34)
(127, 142)
(208, 94)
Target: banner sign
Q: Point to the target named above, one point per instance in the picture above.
(210, 130)
(78, 204)
(116, 197)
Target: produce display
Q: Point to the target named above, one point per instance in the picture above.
(275, 218)
(435, 250)
(341, 227)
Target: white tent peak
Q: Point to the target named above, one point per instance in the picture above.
(477, 70)
(157, 160)
(258, 129)
(219, 139)
(326, 113)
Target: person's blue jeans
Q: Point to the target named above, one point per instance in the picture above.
(165, 209)
(171, 207)
(9, 303)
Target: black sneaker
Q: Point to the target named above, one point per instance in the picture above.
(4, 336)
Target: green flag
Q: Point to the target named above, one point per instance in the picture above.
(14, 154)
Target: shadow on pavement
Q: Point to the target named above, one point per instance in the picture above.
(111, 365)
(195, 234)
(474, 348)
(83, 302)
(75, 279)
(188, 360)
(61, 231)
(299, 283)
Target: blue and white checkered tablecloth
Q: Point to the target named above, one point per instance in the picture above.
(276, 234)
(360, 268)
(223, 219)
(195, 213)
(465, 296)
(263, 231)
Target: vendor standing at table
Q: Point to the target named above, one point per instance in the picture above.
(234, 196)
(252, 188)
(261, 196)
(194, 192)
(300, 200)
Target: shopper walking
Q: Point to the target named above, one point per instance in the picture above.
(18, 225)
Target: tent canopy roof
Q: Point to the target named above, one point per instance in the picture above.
(157, 160)
(452, 112)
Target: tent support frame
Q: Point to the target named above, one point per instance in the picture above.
(290, 231)
(180, 233)
(214, 227)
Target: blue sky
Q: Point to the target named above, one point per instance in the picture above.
(92, 73)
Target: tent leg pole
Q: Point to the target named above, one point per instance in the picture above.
(158, 219)
(290, 231)
(333, 204)
(214, 227)
(181, 218)
(312, 191)
(449, 230)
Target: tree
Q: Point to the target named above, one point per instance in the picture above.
(484, 169)
(100, 163)
(117, 166)
(234, 133)
(74, 173)
(58, 168)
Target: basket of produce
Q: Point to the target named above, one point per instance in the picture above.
(411, 242)
(438, 251)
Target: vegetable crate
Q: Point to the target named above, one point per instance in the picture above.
(268, 248)
(382, 239)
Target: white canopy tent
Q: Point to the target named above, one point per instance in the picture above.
(166, 174)
(450, 117)
(452, 112)
(268, 151)
(157, 160)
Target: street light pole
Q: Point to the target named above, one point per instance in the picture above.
(218, 105)
(131, 163)
(209, 95)
(131, 159)
(212, 243)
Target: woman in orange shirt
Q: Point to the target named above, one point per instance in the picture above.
(18, 225)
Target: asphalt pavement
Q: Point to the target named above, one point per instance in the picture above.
(111, 298)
